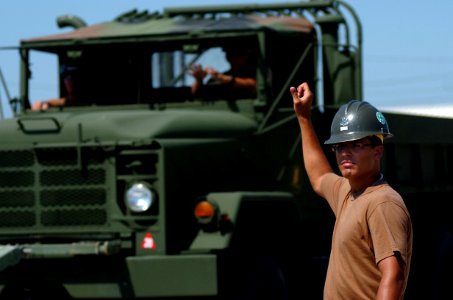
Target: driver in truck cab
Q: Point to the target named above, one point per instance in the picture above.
(68, 74)
(237, 83)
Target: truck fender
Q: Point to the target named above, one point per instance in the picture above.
(266, 222)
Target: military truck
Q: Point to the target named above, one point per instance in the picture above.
(138, 189)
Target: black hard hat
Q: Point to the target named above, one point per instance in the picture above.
(356, 120)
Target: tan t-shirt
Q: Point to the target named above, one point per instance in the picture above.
(368, 228)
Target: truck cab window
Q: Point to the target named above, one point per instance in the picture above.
(212, 74)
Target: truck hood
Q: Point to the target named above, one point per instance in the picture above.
(124, 126)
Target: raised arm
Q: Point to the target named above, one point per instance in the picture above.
(316, 163)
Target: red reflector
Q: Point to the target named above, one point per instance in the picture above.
(148, 242)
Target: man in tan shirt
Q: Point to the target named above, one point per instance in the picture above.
(372, 238)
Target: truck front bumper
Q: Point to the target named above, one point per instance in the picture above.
(157, 276)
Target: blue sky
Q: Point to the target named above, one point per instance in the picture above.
(407, 44)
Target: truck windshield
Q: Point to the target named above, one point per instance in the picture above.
(132, 75)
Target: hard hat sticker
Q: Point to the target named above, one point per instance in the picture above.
(345, 120)
(380, 117)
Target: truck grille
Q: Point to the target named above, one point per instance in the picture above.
(53, 189)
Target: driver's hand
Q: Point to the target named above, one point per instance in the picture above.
(40, 105)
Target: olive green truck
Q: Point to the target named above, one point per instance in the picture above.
(139, 189)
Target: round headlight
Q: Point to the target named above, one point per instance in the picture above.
(139, 197)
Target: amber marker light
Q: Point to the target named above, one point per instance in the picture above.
(205, 211)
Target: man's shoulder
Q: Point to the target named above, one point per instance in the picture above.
(385, 189)
(332, 181)
(387, 195)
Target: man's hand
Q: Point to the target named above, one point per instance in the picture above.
(302, 100)
(214, 73)
(197, 72)
(315, 161)
(40, 105)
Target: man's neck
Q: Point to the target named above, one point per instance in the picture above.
(360, 184)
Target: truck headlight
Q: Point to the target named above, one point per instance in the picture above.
(139, 197)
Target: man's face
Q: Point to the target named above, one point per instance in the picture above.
(237, 59)
(358, 158)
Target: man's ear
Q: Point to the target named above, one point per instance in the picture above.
(379, 151)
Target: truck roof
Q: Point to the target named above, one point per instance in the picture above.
(134, 25)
